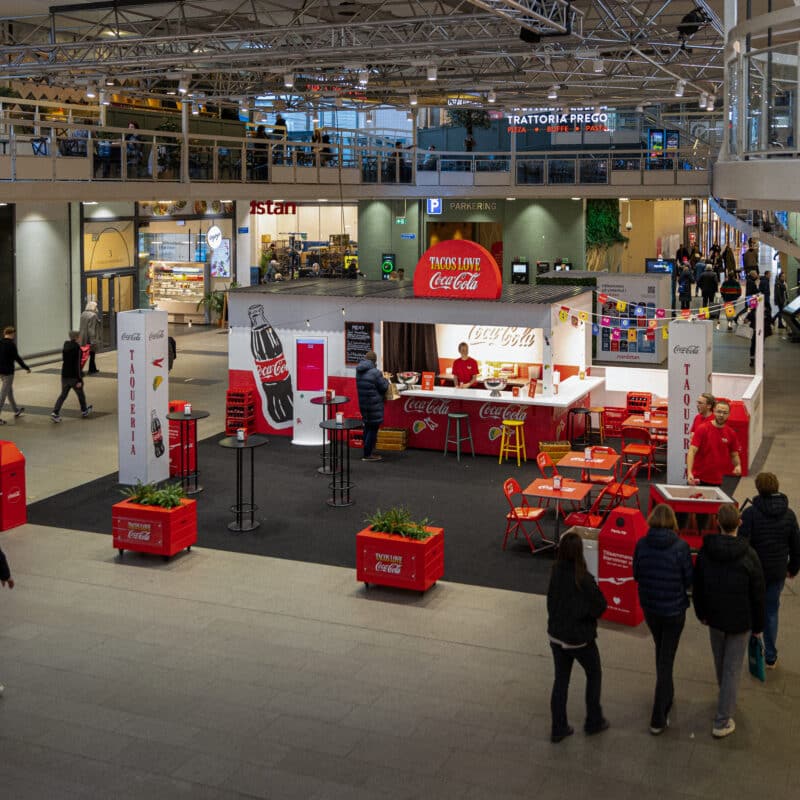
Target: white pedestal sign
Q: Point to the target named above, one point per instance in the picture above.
(690, 360)
(143, 394)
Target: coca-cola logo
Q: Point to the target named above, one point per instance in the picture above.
(390, 564)
(418, 405)
(495, 411)
(686, 349)
(458, 268)
(457, 282)
(156, 335)
(139, 536)
(14, 495)
(131, 337)
(272, 371)
(504, 337)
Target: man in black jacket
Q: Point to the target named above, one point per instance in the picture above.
(71, 377)
(728, 597)
(771, 528)
(9, 355)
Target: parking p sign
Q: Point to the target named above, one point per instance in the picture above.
(434, 205)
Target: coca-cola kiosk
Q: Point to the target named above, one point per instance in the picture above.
(618, 537)
(13, 503)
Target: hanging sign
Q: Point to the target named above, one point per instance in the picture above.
(458, 269)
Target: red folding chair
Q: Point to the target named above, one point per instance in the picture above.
(600, 478)
(544, 462)
(620, 492)
(520, 515)
(594, 516)
(636, 445)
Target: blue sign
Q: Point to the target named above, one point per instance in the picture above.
(243, 230)
(435, 205)
(408, 235)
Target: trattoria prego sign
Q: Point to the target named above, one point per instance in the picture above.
(458, 270)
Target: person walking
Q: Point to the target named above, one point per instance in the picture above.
(372, 387)
(729, 260)
(685, 281)
(5, 580)
(662, 568)
(771, 528)
(731, 291)
(750, 258)
(763, 289)
(728, 596)
(9, 356)
(574, 604)
(780, 296)
(708, 285)
(71, 377)
(91, 333)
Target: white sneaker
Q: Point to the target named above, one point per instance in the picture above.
(726, 730)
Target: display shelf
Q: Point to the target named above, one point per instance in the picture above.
(178, 287)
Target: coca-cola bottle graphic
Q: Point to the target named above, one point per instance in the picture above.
(157, 434)
(273, 374)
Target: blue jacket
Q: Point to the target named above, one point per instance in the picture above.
(662, 566)
(371, 387)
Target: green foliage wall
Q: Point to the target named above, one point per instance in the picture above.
(602, 223)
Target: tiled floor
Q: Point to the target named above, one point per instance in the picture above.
(218, 675)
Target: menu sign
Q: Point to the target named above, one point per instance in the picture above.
(458, 269)
(357, 341)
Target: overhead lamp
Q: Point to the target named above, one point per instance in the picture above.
(183, 85)
(369, 118)
(640, 109)
(598, 66)
(104, 100)
(91, 90)
(412, 99)
(110, 81)
(363, 77)
(432, 73)
(710, 103)
(491, 97)
(288, 80)
(679, 87)
(244, 108)
(195, 108)
(703, 102)
(315, 118)
(553, 93)
(410, 116)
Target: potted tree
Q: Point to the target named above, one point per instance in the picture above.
(397, 551)
(153, 519)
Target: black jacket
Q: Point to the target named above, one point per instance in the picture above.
(5, 572)
(9, 355)
(771, 528)
(71, 360)
(572, 612)
(685, 281)
(729, 585)
(371, 387)
(662, 566)
(780, 295)
(707, 283)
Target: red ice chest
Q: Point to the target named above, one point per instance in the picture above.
(13, 502)
(623, 528)
(176, 407)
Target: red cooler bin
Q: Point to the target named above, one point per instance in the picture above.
(13, 501)
(623, 528)
(176, 407)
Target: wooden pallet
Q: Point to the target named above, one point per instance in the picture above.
(556, 450)
(392, 439)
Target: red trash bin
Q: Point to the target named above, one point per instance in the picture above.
(13, 501)
(623, 528)
(176, 407)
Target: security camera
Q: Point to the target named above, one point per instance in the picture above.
(628, 226)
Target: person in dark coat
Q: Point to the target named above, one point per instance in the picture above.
(731, 291)
(685, 281)
(771, 528)
(71, 377)
(781, 297)
(728, 595)
(371, 387)
(9, 356)
(763, 289)
(708, 285)
(574, 604)
(90, 329)
(662, 567)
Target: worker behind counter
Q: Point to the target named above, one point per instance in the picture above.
(465, 369)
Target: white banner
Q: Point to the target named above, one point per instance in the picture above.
(143, 395)
(690, 359)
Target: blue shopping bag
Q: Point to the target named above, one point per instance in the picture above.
(755, 659)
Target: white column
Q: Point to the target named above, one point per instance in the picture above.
(244, 243)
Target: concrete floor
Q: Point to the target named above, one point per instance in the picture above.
(219, 675)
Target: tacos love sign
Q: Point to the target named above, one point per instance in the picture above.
(458, 270)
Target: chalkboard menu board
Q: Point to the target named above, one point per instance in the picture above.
(357, 341)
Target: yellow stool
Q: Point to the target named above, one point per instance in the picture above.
(512, 442)
(601, 425)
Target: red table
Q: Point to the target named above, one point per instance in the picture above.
(570, 490)
(606, 462)
(659, 424)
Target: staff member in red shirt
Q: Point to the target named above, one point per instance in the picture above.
(465, 369)
(705, 410)
(714, 446)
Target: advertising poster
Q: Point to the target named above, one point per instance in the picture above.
(143, 395)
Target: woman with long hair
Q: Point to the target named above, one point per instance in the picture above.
(573, 605)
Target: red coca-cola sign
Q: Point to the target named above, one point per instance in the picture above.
(458, 270)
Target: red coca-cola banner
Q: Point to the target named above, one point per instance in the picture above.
(458, 270)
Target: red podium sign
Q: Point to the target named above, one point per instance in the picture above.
(623, 528)
(458, 269)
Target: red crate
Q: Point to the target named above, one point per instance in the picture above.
(390, 560)
(639, 402)
(613, 417)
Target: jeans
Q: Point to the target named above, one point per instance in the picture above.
(728, 650)
(66, 385)
(773, 603)
(666, 633)
(7, 391)
(370, 437)
(589, 658)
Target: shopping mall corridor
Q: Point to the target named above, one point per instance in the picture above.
(219, 675)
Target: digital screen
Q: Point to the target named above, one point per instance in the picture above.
(221, 260)
(519, 269)
(673, 140)
(310, 365)
(665, 266)
(542, 266)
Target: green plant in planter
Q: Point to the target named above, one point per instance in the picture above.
(213, 303)
(149, 494)
(397, 520)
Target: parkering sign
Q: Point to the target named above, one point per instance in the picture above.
(458, 269)
(557, 122)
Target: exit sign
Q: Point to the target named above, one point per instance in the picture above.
(400, 221)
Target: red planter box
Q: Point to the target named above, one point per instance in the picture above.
(390, 560)
(151, 529)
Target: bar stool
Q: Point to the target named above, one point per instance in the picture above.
(457, 418)
(512, 442)
(585, 438)
(601, 425)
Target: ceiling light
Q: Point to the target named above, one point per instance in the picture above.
(710, 103)
(104, 101)
(322, 200)
(363, 77)
(195, 108)
(598, 65)
(369, 118)
(511, 199)
(91, 90)
(491, 97)
(679, 87)
(244, 108)
(412, 99)
(703, 100)
(315, 118)
(640, 109)
(288, 80)
(576, 198)
(410, 116)
(183, 86)
(553, 93)
(109, 81)
(432, 73)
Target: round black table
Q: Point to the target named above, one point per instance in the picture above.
(327, 402)
(340, 484)
(240, 508)
(187, 430)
